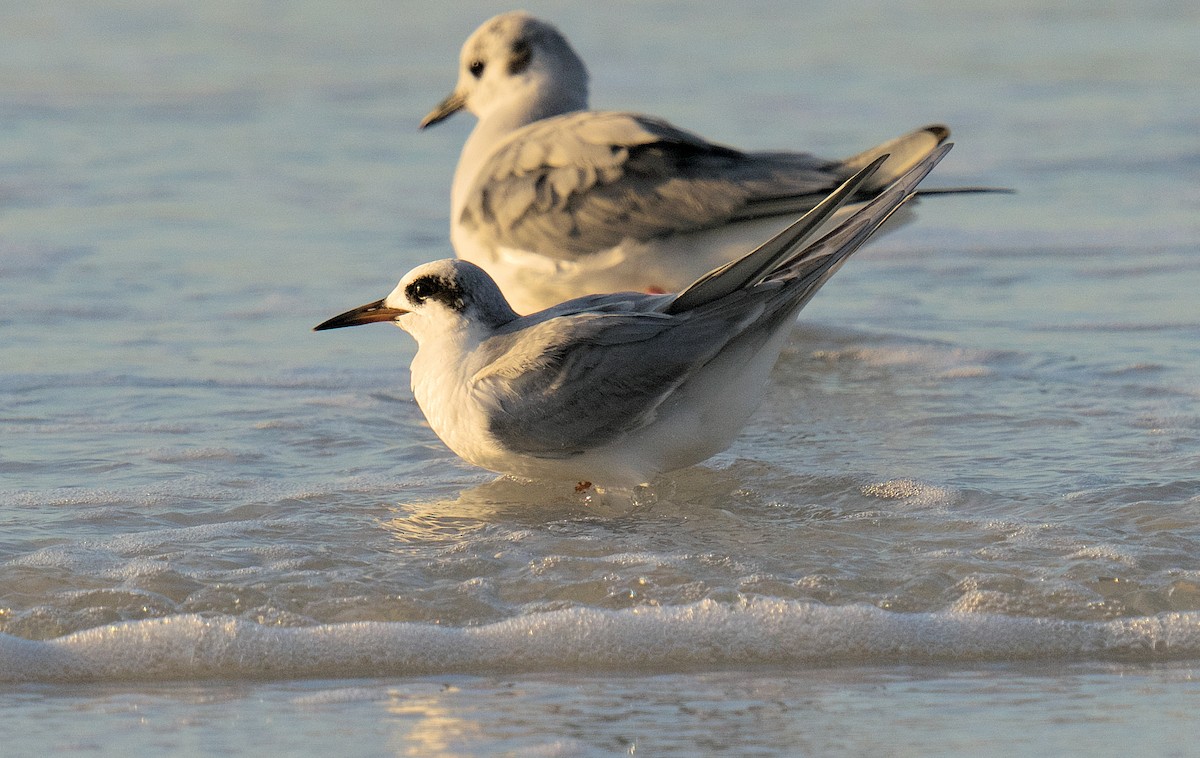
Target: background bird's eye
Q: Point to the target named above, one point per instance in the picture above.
(476, 68)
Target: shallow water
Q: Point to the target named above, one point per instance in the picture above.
(971, 495)
(895, 710)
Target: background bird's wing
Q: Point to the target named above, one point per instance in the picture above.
(581, 183)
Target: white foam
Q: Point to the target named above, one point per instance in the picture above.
(948, 362)
(189, 455)
(703, 635)
(121, 555)
(917, 493)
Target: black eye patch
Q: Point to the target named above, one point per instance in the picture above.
(436, 288)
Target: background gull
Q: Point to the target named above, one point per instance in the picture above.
(556, 201)
(615, 389)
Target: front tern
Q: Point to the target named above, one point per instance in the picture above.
(615, 389)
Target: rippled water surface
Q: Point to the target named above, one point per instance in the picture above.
(968, 513)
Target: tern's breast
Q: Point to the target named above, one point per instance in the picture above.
(441, 386)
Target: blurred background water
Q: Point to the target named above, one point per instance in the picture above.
(967, 515)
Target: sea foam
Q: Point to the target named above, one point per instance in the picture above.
(703, 635)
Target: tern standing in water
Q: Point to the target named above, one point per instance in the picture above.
(616, 389)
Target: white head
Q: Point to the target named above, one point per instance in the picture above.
(516, 62)
(441, 297)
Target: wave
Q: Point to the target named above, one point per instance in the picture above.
(703, 635)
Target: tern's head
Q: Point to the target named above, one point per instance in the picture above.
(443, 296)
(515, 61)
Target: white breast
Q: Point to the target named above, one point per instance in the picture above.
(440, 384)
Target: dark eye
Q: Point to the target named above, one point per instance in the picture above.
(421, 290)
(441, 289)
(476, 68)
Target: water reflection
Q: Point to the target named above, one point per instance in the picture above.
(515, 502)
(425, 725)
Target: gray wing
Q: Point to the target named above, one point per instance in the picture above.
(802, 268)
(752, 267)
(581, 183)
(565, 380)
(559, 387)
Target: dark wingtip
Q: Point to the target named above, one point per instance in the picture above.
(931, 191)
(940, 132)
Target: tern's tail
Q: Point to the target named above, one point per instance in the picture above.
(810, 265)
(789, 256)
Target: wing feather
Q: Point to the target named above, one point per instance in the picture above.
(583, 182)
(582, 380)
(584, 373)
